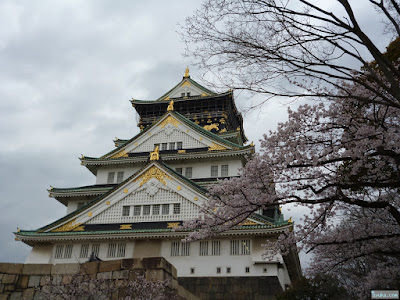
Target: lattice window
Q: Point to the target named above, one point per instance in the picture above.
(179, 145)
(235, 246)
(68, 251)
(59, 251)
(216, 248)
(171, 146)
(177, 208)
(185, 249)
(111, 250)
(121, 250)
(165, 209)
(164, 146)
(224, 170)
(146, 210)
(214, 171)
(137, 210)
(120, 177)
(175, 248)
(84, 251)
(126, 211)
(156, 209)
(188, 172)
(245, 247)
(228, 270)
(110, 177)
(96, 249)
(178, 170)
(203, 248)
(240, 247)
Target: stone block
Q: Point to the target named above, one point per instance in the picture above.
(89, 268)
(109, 266)
(45, 280)
(64, 269)
(16, 296)
(7, 278)
(1, 288)
(56, 280)
(153, 262)
(22, 282)
(9, 288)
(104, 275)
(127, 264)
(4, 296)
(120, 274)
(37, 269)
(66, 279)
(10, 268)
(34, 281)
(28, 294)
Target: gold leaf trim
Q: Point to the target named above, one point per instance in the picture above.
(67, 226)
(214, 147)
(79, 228)
(211, 126)
(153, 172)
(172, 225)
(125, 226)
(169, 120)
(122, 153)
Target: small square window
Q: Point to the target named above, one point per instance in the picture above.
(110, 177)
(214, 171)
(177, 208)
(164, 146)
(188, 94)
(165, 209)
(171, 146)
(228, 270)
(218, 270)
(136, 210)
(146, 210)
(120, 177)
(191, 270)
(125, 211)
(156, 209)
(182, 94)
(188, 172)
(178, 170)
(247, 270)
(265, 270)
(179, 145)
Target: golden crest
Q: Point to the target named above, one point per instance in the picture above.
(125, 226)
(248, 222)
(181, 151)
(172, 225)
(169, 120)
(170, 106)
(186, 72)
(79, 228)
(186, 83)
(153, 172)
(215, 147)
(211, 126)
(122, 153)
(67, 226)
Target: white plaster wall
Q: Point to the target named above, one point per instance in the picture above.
(73, 205)
(194, 91)
(102, 173)
(40, 254)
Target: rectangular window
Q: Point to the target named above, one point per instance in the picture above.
(182, 94)
(96, 249)
(68, 251)
(216, 248)
(59, 251)
(136, 210)
(175, 248)
(247, 270)
(188, 172)
(218, 270)
(120, 177)
(228, 270)
(110, 177)
(245, 247)
(111, 250)
(179, 145)
(156, 209)
(165, 209)
(235, 246)
(224, 170)
(178, 170)
(126, 211)
(81, 204)
(164, 146)
(84, 251)
(188, 94)
(177, 208)
(121, 250)
(171, 146)
(146, 210)
(214, 171)
(185, 250)
(191, 270)
(203, 248)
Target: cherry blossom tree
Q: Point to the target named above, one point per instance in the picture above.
(338, 157)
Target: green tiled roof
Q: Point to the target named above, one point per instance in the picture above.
(185, 120)
(80, 189)
(180, 99)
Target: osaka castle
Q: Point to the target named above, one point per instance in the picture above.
(146, 186)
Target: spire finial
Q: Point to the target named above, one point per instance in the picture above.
(170, 106)
(155, 154)
(186, 73)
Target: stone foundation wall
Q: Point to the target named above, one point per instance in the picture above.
(232, 288)
(25, 281)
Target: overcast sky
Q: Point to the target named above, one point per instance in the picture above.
(67, 72)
